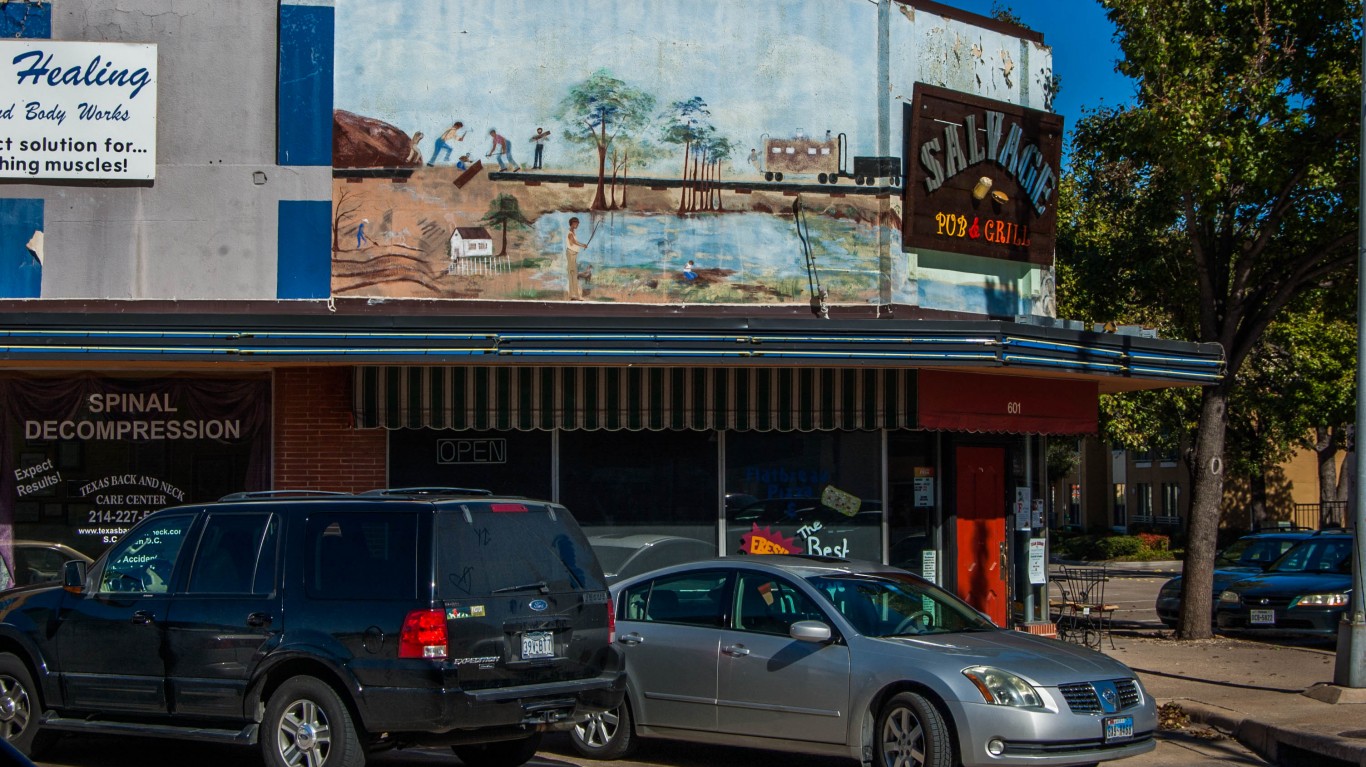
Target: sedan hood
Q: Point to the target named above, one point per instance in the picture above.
(1047, 662)
(1292, 584)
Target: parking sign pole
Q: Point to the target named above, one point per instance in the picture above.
(1350, 668)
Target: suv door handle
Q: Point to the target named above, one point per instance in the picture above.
(632, 638)
(142, 618)
(257, 620)
(735, 650)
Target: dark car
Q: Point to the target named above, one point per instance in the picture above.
(1305, 592)
(1250, 554)
(321, 627)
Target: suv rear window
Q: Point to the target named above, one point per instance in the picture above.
(362, 555)
(509, 551)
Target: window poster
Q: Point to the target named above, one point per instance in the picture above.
(84, 458)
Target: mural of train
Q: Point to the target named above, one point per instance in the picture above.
(826, 159)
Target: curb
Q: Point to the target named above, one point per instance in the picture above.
(1276, 744)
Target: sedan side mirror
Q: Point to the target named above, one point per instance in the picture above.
(810, 631)
(73, 576)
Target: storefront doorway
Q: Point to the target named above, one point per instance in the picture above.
(981, 529)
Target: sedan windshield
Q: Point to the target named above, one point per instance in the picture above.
(897, 604)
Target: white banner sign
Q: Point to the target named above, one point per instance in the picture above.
(78, 110)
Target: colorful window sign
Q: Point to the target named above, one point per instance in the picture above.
(982, 176)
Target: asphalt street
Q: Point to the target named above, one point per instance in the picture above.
(1134, 593)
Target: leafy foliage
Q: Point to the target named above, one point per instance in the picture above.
(1222, 199)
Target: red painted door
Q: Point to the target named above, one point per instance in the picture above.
(982, 529)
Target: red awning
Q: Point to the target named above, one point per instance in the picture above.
(973, 402)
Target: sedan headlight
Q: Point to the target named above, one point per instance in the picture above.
(1320, 600)
(1003, 688)
(1230, 598)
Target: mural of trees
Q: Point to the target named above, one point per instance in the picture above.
(598, 112)
(686, 123)
(505, 211)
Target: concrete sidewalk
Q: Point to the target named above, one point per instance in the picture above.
(1253, 691)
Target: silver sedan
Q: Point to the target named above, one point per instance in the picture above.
(855, 660)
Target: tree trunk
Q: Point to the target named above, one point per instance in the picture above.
(683, 193)
(1257, 491)
(504, 248)
(1207, 472)
(1326, 451)
(600, 199)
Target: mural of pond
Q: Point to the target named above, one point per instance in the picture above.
(735, 256)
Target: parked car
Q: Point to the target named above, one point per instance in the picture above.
(847, 659)
(321, 627)
(623, 556)
(39, 561)
(1305, 592)
(1249, 554)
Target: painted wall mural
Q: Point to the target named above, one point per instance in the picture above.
(714, 151)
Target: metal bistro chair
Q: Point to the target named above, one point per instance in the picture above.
(1083, 614)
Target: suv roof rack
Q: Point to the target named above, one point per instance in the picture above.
(429, 491)
(255, 495)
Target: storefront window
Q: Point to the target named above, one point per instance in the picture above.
(645, 499)
(504, 462)
(85, 457)
(914, 483)
(814, 493)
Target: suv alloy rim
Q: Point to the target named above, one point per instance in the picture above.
(14, 707)
(303, 735)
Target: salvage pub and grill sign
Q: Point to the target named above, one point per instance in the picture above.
(982, 177)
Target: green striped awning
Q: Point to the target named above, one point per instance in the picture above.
(634, 398)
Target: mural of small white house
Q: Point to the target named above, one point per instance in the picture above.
(471, 242)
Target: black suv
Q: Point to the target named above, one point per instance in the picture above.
(324, 627)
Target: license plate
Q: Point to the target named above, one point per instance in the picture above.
(1119, 728)
(538, 644)
(1263, 617)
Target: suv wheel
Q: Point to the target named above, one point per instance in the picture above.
(306, 725)
(19, 707)
(501, 753)
(606, 735)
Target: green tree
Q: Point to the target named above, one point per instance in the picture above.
(686, 124)
(505, 211)
(1231, 192)
(598, 111)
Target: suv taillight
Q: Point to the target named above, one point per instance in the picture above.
(611, 623)
(423, 635)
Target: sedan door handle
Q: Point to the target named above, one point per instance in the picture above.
(142, 618)
(631, 639)
(257, 620)
(735, 650)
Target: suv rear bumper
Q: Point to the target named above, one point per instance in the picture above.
(427, 715)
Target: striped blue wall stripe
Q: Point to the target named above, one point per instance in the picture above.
(634, 398)
(303, 261)
(21, 273)
(304, 109)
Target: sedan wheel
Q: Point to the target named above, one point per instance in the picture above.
(911, 733)
(606, 735)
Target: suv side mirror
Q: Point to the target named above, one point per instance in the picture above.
(73, 576)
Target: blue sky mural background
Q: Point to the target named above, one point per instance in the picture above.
(762, 67)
